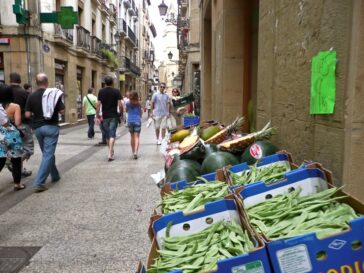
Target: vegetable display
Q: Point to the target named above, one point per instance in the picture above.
(194, 196)
(201, 251)
(267, 174)
(288, 215)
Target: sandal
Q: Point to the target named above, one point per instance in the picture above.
(20, 187)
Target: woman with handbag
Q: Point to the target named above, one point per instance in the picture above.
(10, 139)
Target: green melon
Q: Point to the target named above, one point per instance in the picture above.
(258, 150)
(181, 173)
(210, 132)
(217, 160)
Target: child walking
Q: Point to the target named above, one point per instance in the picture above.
(134, 110)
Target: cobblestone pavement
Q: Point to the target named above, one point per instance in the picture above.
(95, 219)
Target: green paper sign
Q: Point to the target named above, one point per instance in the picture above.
(323, 85)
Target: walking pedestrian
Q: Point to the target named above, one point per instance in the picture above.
(10, 139)
(20, 97)
(135, 112)
(148, 106)
(109, 99)
(27, 87)
(89, 105)
(161, 111)
(44, 105)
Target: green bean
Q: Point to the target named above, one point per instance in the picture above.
(193, 197)
(267, 174)
(288, 215)
(201, 251)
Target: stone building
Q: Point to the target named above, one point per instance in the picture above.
(147, 51)
(74, 59)
(188, 33)
(169, 54)
(260, 53)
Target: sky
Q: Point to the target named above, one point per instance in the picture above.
(159, 25)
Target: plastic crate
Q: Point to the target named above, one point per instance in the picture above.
(191, 120)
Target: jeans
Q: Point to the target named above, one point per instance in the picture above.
(47, 136)
(108, 127)
(91, 123)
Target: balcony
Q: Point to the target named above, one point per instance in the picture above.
(183, 5)
(63, 36)
(127, 4)
(131, 36)
(122, 27)
(130, 67)
(83, 39)
(95, 46)
(114, 13)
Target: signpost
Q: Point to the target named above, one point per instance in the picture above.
(66, 17)
(22, 15)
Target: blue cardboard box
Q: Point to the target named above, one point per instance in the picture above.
(340, 253)
(191, 121)
(223, 210)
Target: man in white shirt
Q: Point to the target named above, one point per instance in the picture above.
(160, 111)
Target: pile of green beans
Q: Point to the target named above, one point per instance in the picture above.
(201, 251)
(267, 174)
(288, 215)
(193, 197)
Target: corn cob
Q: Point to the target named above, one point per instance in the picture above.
(240, 143)
(225, 133)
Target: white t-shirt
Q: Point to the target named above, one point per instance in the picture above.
(161, 104)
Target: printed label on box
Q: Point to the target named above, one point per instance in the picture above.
(253, 267)
(294, 260)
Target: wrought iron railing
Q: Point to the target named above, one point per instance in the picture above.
(131, 35)
(83, 38)
(66, 34)
(129, 65)
(95, 46)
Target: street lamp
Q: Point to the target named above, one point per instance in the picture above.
(163, 8)
(170, 56)
(117, 37)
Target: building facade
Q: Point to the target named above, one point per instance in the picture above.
(188, 33)
(105, 41)
(74, 59)
(256, 61)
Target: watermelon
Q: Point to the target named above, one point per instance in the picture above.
(187, 163)
(217, 160)
(257, 150)
(181, 173)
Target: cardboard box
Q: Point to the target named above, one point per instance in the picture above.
(310, 181)
(227, 210)
(340, 253)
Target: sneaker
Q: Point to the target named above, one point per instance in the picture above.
(26, 173)
(40, 189)
(135, 156)
(159, 142)
(102, 143)
(56, 179)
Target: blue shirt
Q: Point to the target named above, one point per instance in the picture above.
(133, 113)
(161, 104)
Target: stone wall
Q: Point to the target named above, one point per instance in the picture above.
(290, 34)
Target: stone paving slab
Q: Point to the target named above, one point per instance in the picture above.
(96, 218)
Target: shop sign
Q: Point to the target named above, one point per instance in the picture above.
(4, 41)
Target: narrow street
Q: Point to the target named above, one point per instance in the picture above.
(95, 218)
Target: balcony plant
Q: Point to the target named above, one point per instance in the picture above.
(110, 57)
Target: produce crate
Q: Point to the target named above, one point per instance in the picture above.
(187, 99)
(340, 253)
(209, 177)
(191, 121)
(310, 180)
(224, 210)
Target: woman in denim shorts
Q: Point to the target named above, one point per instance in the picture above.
(134, 110)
